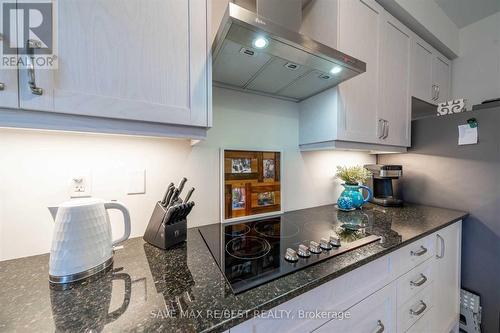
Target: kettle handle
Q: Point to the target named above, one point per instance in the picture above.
(126, 219)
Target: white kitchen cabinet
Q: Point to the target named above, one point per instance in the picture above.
(8, 77)
(394, 118)
(413, 310)
(337, 296)
(142, 61)
(431, 73)
(359, 35)
(377, 313)
(372, 110)
(422, 60)
(415, 288)
(447, 278)
(441, 74)
(424, 324)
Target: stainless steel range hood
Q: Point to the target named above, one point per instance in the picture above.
(288, 65)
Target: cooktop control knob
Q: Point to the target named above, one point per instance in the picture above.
(325, 244)
(303, 251)
(291, 255)
(314, 247)
(335, 240)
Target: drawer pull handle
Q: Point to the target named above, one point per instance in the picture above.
(2, 86)
(420, 281)
(420, 252)
(380, 327)
(421, 308)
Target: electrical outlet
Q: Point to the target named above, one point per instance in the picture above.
(80, 186)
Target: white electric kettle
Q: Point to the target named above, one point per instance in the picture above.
(82, 243)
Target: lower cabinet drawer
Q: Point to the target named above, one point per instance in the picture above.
(414, 254)
(415, 308)
(314, 308)
(414, 281)
(377, 313)
(423, 324)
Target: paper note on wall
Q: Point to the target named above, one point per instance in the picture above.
(467, 135)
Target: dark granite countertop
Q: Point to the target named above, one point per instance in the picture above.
(144, 280)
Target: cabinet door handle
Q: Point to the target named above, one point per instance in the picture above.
(380, 327)
(420, 281)
(380, 128)
(419, 252)
(386, 129)
(437, 91)
(2, 86)
(434, 92)
(441, 239)
(421, 308)
(30, 46)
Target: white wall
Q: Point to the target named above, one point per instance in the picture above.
(476, 72)
(36, 167)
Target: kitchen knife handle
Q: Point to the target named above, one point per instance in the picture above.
(188, 196)
(181, 184)
(173, 198)
(188, 209)
(168, 215)
(168, 193)
(175, 215)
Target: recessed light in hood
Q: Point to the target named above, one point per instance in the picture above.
(283, 63)
(260, 42)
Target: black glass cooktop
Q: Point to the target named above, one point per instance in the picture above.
(253, 252)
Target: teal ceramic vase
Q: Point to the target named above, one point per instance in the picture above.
(351, 198)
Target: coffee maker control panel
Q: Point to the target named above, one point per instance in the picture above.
(385, 171)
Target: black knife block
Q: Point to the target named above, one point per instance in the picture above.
(164, 236)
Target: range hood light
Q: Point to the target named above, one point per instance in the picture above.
(336, 70)
(260, 42)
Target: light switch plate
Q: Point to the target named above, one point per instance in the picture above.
(136, 181)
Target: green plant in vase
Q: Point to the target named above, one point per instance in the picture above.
(351, 198)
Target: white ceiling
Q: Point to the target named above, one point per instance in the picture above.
(465, 12)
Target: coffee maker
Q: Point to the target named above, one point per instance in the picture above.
(384, 184)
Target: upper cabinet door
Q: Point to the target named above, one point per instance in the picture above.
(422, 86)
(127, 59)
(441, 72)
(431, 73)
(8, 75)
(394, 86)
(359, 34)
